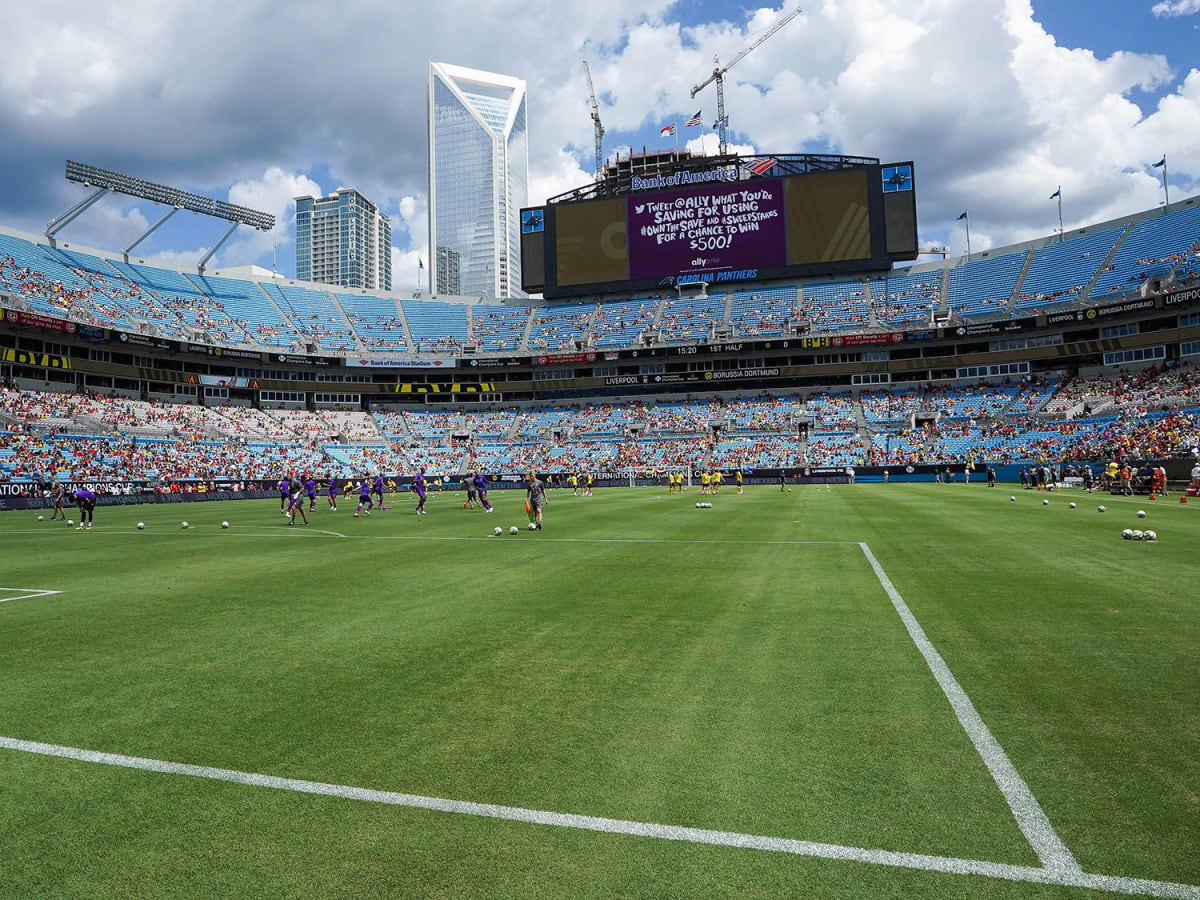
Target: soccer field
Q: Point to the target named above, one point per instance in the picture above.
(874, 690)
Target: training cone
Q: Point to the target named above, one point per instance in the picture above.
(1183, 499)
(1152, 497)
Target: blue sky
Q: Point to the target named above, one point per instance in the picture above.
(997, 103)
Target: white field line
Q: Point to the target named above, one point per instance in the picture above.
(1030, 816)
(24, 593)
(950, 865)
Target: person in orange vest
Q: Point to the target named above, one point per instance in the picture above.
(1126, 480)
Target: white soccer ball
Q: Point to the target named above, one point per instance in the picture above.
(497, 530)
(70, 521)
(699, 505)
(533, 526)
(41, 518)
(183, 525)
(1070, 505)
(1137, 535)
(1012, 499)
(1127, 534)
(1045, 503)
(1101, 509)
(1141, 514)
(513, 530)
(141, 526)
(224, 524)
(1150, 536)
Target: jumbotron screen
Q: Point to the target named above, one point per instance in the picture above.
(721, 231)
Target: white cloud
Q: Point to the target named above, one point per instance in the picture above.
(1176, 8)
(274, 193)
(709, 144)
(562, 174)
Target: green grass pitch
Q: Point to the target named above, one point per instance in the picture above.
(640, 659)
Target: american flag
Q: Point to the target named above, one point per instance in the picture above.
(697, 119)
(759, 165)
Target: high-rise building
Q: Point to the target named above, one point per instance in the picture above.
(478, 180)
(343, 239)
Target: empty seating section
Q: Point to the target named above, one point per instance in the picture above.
(691, 320)
(763, 413)
(559, 327)
(499, 328)
(314, 315)
(891, 406)
(436, 423)
(984, 286)
(183, 304)
(836, 306)
(1152, 247)
(763, 311)
(436, 327)
(1032, 398)
(905, 297)
(376, 322)
(619, 322)
(832, 412)
(250, 307)
(965, 402)
(692, 416)
(1059, 272)
(115, 301)
(757, 451)
(835, 450)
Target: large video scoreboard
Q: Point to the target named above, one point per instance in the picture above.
(720, 227)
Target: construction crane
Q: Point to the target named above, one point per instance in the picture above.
(718, 73)
(599, 128)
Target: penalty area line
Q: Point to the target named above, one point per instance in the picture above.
(24, 593)
(1031, 818)
(895, 859)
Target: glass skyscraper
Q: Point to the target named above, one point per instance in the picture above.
(343, 239)
(478, 181)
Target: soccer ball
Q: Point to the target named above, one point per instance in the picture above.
(1070, 505)
(70, 521)
(1141, 514)
(1150, 536)
(1012, 499)
(183, 525)
(1127, 534)
(224, 524)
(1137, 535)
(533, 526)
(41, 518)
(1045, 503)
(497, 530)
(513, 530)
(699, 505)
(1101, 509)
(141, 526)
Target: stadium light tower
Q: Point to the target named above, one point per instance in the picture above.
(718, 74)
(596, 125)
(106, 181)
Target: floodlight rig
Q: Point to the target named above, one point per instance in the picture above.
(106, 181)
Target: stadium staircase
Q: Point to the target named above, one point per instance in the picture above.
(1012, 301)
(279, 309)
(1087, 291)
(514, 430)
(943, 304)
(869, 299)
(727, 317)
(403, 320)
(524, 345)
(346, 319)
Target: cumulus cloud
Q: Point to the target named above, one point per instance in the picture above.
(1169, 8)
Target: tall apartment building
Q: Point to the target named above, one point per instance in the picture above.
(478, 180)
(344, 240)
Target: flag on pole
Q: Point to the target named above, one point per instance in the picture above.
(961, 217)
(1162, 162)
(722, 122)
(420, 264)
(1057, 193)
(760, 165)
(667, 130)
(697, 119)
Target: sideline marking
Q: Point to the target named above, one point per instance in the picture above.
(24, 593)
(950, 865)
(1030, 816)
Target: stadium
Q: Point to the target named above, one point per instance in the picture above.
(754, 556)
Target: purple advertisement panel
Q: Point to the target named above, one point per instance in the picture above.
(708, 229)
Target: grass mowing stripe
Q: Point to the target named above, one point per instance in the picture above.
(1030, 816)
(949, 865)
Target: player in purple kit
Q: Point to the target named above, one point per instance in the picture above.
(310, 488)
(331, 493)
(377, 490)
(285, 491)
(418, 486)
(86, 501)
(364, 496)
(481, 485)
